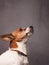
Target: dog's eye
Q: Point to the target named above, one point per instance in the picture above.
(20, 29)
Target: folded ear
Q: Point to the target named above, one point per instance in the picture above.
(7, 37)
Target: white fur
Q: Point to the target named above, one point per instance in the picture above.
(27, 30)
(13, 58)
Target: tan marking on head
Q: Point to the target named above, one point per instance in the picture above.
(19, 33)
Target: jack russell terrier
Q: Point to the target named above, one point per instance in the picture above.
(17, 53)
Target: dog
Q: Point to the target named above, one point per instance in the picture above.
(17, 52)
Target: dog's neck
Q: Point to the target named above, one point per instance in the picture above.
(21, 46)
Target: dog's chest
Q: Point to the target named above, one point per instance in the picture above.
(21, 60)
(12, 58)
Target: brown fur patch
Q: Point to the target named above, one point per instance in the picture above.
(13, 44)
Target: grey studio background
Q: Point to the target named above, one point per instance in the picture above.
(23, 13)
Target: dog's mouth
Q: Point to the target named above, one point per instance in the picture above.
(29, 34)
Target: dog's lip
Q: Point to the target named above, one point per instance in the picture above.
(29, 33)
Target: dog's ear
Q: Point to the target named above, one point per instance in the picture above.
(7, 37)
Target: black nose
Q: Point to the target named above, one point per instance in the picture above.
(32, 28)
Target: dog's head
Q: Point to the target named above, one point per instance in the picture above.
(22, 33)
(19, 34)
